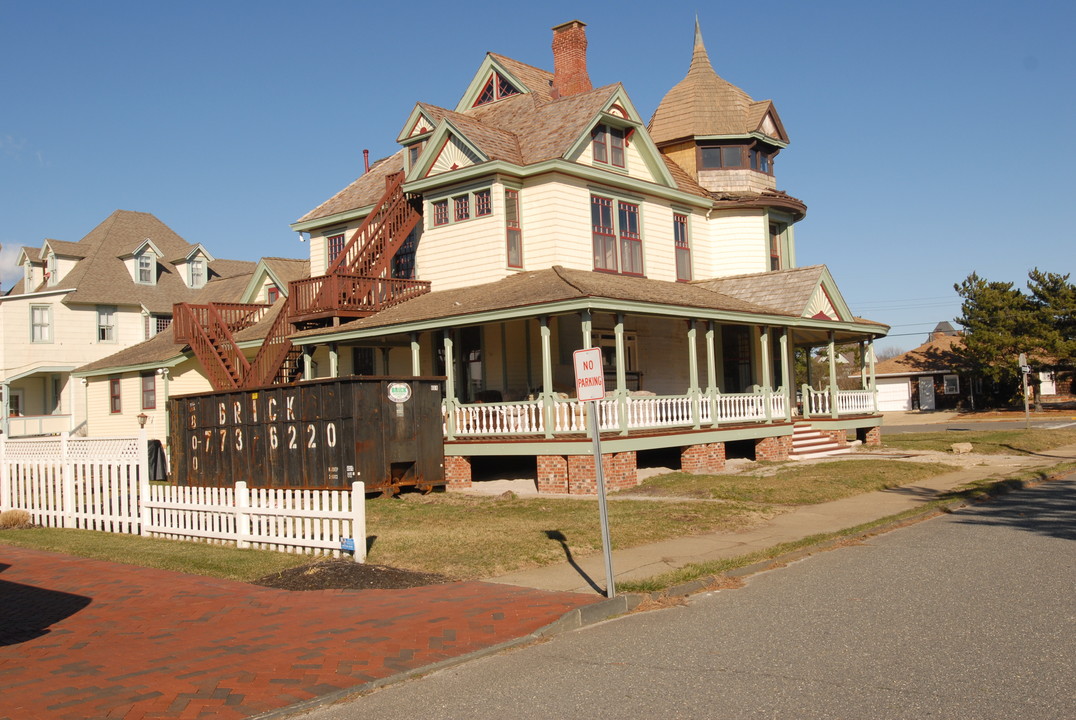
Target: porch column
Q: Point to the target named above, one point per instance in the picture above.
(5, 392)
(788, 381)
(874, 379)
(711, 372)
(308, 363)
(832, 348)
(863, 382)
(385, 360)
(334, 360)
(693, 375)
(416, 355)
(621, 392)
(547, 376)
(163, 372)
(450, 386)
(767, 370)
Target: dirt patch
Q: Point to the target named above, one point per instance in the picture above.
(344, 574)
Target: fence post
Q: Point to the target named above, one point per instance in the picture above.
(143, 484)
(68, 474)
(358, 519)
(242, 518)
(5, 479)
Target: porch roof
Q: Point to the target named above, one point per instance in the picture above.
(552, 291)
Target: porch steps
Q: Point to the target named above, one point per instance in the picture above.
(808, 443)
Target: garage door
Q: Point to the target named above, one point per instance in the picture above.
(894, 394)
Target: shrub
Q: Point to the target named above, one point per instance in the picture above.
(15, 520)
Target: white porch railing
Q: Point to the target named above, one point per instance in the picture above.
(849, 402)
(102, 484)
(641, 412)
(24, 425)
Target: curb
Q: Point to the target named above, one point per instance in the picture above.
(572, 620)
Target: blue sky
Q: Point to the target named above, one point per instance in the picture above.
(929, 139)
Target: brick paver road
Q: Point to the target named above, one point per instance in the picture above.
(91, 639)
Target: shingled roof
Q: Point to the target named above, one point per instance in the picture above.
(542, 287)
(101, 277)
(936, 355)
(705, 104)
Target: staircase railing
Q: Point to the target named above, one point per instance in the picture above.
(270, 365)
(209, 329)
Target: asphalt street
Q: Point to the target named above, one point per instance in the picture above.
(968, 615)
(957, 426)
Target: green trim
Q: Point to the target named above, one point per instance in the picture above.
(582, 445)
(340, 217)
(445, 131)
(557, 166)
(417, 112)
(478, 81)
(563, 307)
(754, 135)
(139, 367)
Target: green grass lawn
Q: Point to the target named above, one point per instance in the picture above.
(468, 537)
(991, 442)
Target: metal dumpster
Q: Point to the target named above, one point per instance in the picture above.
(384, 431)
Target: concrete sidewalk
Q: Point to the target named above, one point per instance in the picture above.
(588, 574)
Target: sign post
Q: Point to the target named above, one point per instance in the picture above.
(589, 388)
(1024, 372)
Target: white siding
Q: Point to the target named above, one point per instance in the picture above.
(737, 244)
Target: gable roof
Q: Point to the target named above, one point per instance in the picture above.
(362, 193)
(102, 277)
(704, 104)
(936, 355)
(527, 290)
(804, 292)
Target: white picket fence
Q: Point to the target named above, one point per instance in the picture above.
(102, 484)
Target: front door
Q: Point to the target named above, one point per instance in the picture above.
(926, 393)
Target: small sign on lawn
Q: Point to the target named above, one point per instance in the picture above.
(347, 544)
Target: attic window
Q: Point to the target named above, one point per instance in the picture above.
(496, 88)
(52, 269)
(716, 157)
(145, 269)
(608, 145)
(197, 272)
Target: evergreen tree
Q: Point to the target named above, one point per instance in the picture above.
(1053, 298)
(999, 323)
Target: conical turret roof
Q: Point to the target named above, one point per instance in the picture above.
(704, 104)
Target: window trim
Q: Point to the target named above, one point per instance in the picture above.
(47, 335)
(611, 139)
(152, 390)
(682, 246)
(460, 206)
(198, 279)
(511, 199)
(775, 249)
(112, 328)
(331, 240)
(150, 269)
(621, 238)
(115, 396)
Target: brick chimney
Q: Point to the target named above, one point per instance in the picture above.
(570, 59)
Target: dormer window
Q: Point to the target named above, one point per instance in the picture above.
(52, 269)
(146, 267)
(28, 275)
(197, 272)
(496, 88)
(608, 145)
(272, 294)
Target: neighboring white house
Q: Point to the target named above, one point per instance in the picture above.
(81, 301)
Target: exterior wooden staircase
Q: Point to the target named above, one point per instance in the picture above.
(357, 284)
(808, 443)
(210, 331)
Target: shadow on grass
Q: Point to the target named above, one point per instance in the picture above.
(559, 537)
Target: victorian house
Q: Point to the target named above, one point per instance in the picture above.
(541, 215)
